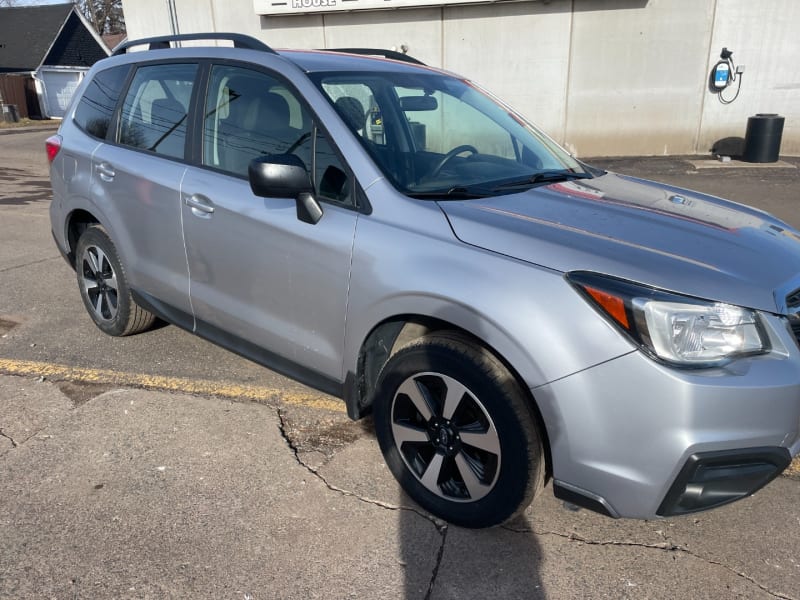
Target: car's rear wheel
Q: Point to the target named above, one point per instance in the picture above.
(104, 286)
(456, 431)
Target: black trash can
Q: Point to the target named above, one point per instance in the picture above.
(762, 142)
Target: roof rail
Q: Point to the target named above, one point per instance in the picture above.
(379, 52)
(163, 41)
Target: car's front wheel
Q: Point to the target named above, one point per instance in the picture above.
(457, 432)
(104, 286)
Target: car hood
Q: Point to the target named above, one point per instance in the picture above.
(667, 237)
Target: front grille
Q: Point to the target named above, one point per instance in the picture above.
(793, 299)
(794, 323)
(796, 328)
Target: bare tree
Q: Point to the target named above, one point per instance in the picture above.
(105, 15)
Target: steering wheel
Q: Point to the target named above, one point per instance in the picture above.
(450, 156)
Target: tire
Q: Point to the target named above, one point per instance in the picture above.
(457, 432)
(104, 286)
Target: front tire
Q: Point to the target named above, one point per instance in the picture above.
(104, 286)
(456, 431)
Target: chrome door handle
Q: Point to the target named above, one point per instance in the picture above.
(200, 205)
(105, 171)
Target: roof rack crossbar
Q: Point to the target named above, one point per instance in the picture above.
(163, 41)
(379, 52)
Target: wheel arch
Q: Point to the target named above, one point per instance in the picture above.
(394, 332)
(76, 223)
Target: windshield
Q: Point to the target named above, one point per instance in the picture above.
(436, 135)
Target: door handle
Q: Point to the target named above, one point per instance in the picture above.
(105, 171)
(200, 205)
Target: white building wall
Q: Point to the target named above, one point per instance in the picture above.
(637, 76)
(765, 37)
(520, 52)
(602, 77)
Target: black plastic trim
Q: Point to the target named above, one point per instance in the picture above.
(239, 346)
(67, 256)
(770, 460)
(392, 54)
(162, 41)
(578, 499)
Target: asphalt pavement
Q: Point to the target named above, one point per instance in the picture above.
(160, 466)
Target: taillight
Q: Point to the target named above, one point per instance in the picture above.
(53, 145)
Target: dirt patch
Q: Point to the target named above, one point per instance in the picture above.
(80, 393)
(793, 470)
(6, 326)
(314, 432)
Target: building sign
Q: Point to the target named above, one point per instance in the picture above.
(302, 7)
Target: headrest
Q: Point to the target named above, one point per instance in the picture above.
(352, 111)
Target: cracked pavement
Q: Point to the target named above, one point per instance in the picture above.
(137, 494)
(127, 493)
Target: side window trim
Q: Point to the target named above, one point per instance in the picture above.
(194, 131)
(112, 135)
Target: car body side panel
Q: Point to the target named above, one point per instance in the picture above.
(71, 179)
(505, 302)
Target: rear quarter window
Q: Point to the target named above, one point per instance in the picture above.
(96, 106)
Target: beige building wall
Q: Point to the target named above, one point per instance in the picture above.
(765, 37)
(602, 77)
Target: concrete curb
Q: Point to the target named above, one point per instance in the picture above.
(48, 127)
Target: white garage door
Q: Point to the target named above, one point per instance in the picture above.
(59, 86)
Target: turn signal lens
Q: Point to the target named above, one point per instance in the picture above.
(613, 305)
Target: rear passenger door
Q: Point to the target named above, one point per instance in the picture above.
(258, 273)
(138, 178)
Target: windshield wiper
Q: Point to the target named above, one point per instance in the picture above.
(543, 177)
(454, 193)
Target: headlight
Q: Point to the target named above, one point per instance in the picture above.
(681, 330)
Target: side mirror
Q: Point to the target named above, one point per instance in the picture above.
(285, 176)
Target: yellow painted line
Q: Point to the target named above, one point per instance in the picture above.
(204, 387)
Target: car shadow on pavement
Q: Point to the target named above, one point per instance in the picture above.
(499, 562)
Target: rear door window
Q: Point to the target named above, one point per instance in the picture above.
(155, 109)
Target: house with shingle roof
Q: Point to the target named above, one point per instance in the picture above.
(45, 52)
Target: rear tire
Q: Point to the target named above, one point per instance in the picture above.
(104, 286)
(457, 432)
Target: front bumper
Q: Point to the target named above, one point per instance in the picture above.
(635, 438)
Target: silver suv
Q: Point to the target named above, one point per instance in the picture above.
(394, 235)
